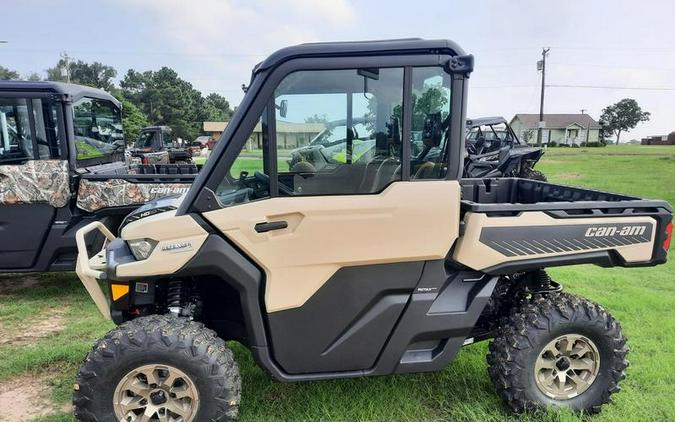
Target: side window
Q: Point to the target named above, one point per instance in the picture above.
(46, 129)
(430, 122)
(339, 131)
(247, 178)
(98, 128)
(168, 139)
(28, 130)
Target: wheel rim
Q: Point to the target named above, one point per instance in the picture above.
(156, 393)
(567, 366)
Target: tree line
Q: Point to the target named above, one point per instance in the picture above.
(163, 98)
(148, 98)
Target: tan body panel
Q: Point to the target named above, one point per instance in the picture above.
(471, 252)
(167, 229)
(35, 182)
(408, 221)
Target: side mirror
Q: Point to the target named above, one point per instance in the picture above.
(283, 108)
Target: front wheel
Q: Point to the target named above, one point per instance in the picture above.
(558, 350)
(158, 368)
(533, 174)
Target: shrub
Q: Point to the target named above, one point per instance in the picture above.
(575, 145)
(553, 144)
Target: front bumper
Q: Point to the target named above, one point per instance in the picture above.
(92, 269)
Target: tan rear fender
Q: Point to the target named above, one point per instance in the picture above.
(492, 243)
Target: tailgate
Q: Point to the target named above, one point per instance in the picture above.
(504, 243)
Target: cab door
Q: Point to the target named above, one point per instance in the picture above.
(342, 238)
(34, 179)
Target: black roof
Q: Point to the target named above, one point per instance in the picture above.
(73, 90)
(162, 128)
(352, 48)
(480, 121)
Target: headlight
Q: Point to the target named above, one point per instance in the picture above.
(142, 248)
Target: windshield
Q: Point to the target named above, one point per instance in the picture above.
(494, 132)
(98, 129)
(145, 140)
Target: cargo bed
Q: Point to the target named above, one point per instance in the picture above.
(511, 225)
(517, 195)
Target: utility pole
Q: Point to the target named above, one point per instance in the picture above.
(541, 65)
(65, 71)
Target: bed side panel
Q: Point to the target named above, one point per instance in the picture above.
(489, 242)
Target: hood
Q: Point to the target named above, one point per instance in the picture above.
(167, 203)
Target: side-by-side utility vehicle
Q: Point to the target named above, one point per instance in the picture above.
(493, 150)
(61, 167)
(158, 145)
(380, 263)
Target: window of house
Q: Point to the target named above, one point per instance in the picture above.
(353, 117)
(98, 128)
(430, 123)
(28, 130)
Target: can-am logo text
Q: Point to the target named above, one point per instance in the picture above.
(162, 190)
(615, 231)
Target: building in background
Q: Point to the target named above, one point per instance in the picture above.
(563, 129)
(659, 140)
(289, 135)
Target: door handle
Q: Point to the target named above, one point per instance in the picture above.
(273, 225)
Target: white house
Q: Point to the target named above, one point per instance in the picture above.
(560, 128)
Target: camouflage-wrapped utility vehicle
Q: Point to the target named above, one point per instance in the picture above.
(158, 145)
(378, 264)
(61, 167)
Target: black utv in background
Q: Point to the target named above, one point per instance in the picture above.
(61, 167)
(493, 150)
(158, 145)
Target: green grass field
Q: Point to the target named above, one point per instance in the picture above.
(642, 299)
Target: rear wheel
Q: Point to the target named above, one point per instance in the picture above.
(558, 350)
(158, 368)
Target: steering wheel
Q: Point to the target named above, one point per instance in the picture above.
(265, 180)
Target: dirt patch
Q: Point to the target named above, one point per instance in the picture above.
(568, 176)
(27, 397)
(47, 323)
(14, 282)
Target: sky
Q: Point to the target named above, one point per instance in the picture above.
(600, 48)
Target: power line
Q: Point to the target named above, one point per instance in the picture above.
(139, 53)
(502, 86)
(609, 66)
(637, 88)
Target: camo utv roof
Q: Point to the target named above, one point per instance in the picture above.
(72, 90)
